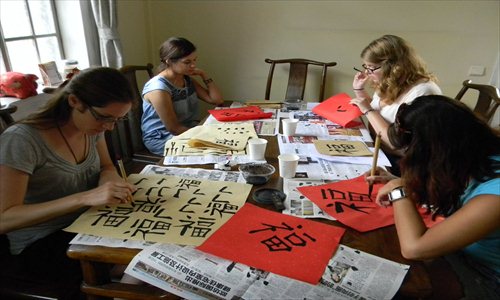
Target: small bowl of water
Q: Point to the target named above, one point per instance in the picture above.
(293, 104)
(255, 173)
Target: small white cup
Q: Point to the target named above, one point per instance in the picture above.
(289, 126)
(288, 165)
(257, 148)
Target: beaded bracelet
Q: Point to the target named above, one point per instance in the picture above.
(368, 111)
(361, 89)
(207, 81)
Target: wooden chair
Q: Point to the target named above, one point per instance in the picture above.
(297, 76)
(6, 119)
(125, 141)
(488, 99)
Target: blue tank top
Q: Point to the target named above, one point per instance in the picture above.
(487, 250)
(185, 101)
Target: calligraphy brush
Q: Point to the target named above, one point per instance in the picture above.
(374, 163)
(124, 175)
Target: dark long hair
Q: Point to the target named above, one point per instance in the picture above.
(94, 86)
(174, 49)
(446, 146)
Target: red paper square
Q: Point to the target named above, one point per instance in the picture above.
(348, 202)
(285, 245)
(338, 110)
(239, 114)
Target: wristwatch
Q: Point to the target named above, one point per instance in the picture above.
(397, 194)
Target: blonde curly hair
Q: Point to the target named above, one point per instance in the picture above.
(400, 64)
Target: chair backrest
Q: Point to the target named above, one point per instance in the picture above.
(6, 119)
(487, 102)
(125, 141)
(297, 77)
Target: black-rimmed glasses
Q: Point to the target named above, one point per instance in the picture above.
(100, 118)
(368, 69)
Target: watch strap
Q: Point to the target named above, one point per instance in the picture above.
(397, 194)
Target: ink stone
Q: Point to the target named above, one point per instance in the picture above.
(256, 173)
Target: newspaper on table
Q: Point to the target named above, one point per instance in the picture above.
(192, 274)
(304, 146)
(214, 175)
(317, 168)
(206, 159)
(298, 205)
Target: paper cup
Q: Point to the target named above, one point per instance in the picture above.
(257, 148)
(289, 126)
(288, 165)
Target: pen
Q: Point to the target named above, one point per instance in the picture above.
(374, 163)
(124, 176)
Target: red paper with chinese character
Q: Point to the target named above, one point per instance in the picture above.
(285, 245)
(338, 110)
(349, 203)
(239, 114)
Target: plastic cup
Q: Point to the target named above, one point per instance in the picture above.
(257, 148)
(289, 126)
(288, 165)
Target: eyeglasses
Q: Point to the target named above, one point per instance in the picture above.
(100, 118)
(368, 69)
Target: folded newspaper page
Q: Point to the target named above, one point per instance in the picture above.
(192, 274)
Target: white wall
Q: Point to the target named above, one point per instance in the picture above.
(234, 37)
(71, 25)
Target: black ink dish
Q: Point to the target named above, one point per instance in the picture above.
(256, 173)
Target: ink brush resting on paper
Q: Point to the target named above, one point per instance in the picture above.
(374, 163)
(124, 176)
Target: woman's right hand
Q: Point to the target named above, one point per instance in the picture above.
(359, 80)
(111, 192)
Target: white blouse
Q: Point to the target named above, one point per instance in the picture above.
(388, 112)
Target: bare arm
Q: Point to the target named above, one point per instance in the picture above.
(162, 103)
(211, 94)
(479, 217)
(379, 124)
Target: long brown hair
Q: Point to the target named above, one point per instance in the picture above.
(400, 64)
(446, 145)
(94, 86)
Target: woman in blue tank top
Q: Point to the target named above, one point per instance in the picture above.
(170, 99)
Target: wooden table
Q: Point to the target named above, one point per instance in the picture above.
(382, 242)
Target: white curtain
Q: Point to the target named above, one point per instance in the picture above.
(101, 32)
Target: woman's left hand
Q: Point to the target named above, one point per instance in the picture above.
(363, 104)
(382, 196)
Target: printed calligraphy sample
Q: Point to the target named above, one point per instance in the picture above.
(179, 145)
(229, 136)
(166, 209)
(342, 148)
(285, 245)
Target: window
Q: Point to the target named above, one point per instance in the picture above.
(29, 35)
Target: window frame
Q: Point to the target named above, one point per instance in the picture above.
(33, 37)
